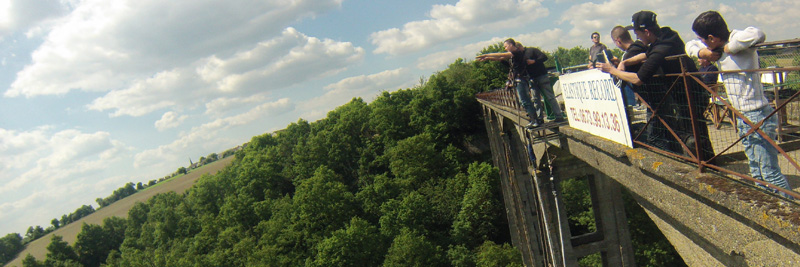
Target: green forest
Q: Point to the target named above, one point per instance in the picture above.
(405, 180)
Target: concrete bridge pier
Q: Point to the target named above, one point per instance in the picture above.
(537, 215)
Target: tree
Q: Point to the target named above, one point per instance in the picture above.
(95, 242)
(211, 158)
(461, 256)
(33, 233)
(84, 211)
(315, 201)
(139, 186)
(413, 212)
(10, 245)
(359, 244)
(181, 170)
(59, 252)
(55, 223)
(412, 249)
(415, 160)
(478, 219)
(571, 57)
(491, 254)
(30, 261)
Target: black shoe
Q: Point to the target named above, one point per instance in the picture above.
(560, 119)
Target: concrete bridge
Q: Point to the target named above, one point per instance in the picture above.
(710, 217)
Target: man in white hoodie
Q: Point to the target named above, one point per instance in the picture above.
(734, 50)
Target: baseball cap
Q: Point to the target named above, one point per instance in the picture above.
(643, 19)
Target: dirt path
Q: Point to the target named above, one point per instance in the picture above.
(38, 248)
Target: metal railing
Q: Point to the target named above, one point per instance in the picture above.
(688, 119)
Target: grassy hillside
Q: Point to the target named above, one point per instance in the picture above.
(69, 232)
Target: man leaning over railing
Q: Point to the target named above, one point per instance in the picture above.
(734, 50)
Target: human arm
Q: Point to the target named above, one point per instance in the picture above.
(500, 56)
(637, 59)
(630, 77)
(698, 48)
(741, 40)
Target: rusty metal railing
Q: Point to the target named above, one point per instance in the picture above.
(503, 97)
(717, 145)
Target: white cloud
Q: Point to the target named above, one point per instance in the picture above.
(43, 166)
(450, 22)
(288, 59)
(105, 45)
(442, 59)
(365, 86)
(210, 136)
(46, 157)
(776, 17)
(589, 17)
(546, 40)
(170, 119)
(222, 105)
(18, 15)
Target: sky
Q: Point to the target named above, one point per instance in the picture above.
(97, 93)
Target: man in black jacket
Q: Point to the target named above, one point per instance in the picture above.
(662, 43)
(521, 78)
(540, 81)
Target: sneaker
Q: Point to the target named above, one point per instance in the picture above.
(560, 119)
(533, 124)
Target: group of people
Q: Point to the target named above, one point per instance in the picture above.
(642, 68)
(732, 50)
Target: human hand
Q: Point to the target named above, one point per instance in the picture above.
(605, 67)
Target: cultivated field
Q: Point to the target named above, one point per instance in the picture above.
(38, 248)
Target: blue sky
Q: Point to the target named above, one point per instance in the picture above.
(98, 93)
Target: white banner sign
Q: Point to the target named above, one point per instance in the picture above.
(594, 104)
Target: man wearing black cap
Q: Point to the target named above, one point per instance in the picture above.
(664, 42)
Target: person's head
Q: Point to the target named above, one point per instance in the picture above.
(645, 26)
(595, 37)
(621, 37)
(510, 45)
(711, 29)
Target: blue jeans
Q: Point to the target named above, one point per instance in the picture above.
(542, 85)
(525, 100)
(627, 94)
(762, 156)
